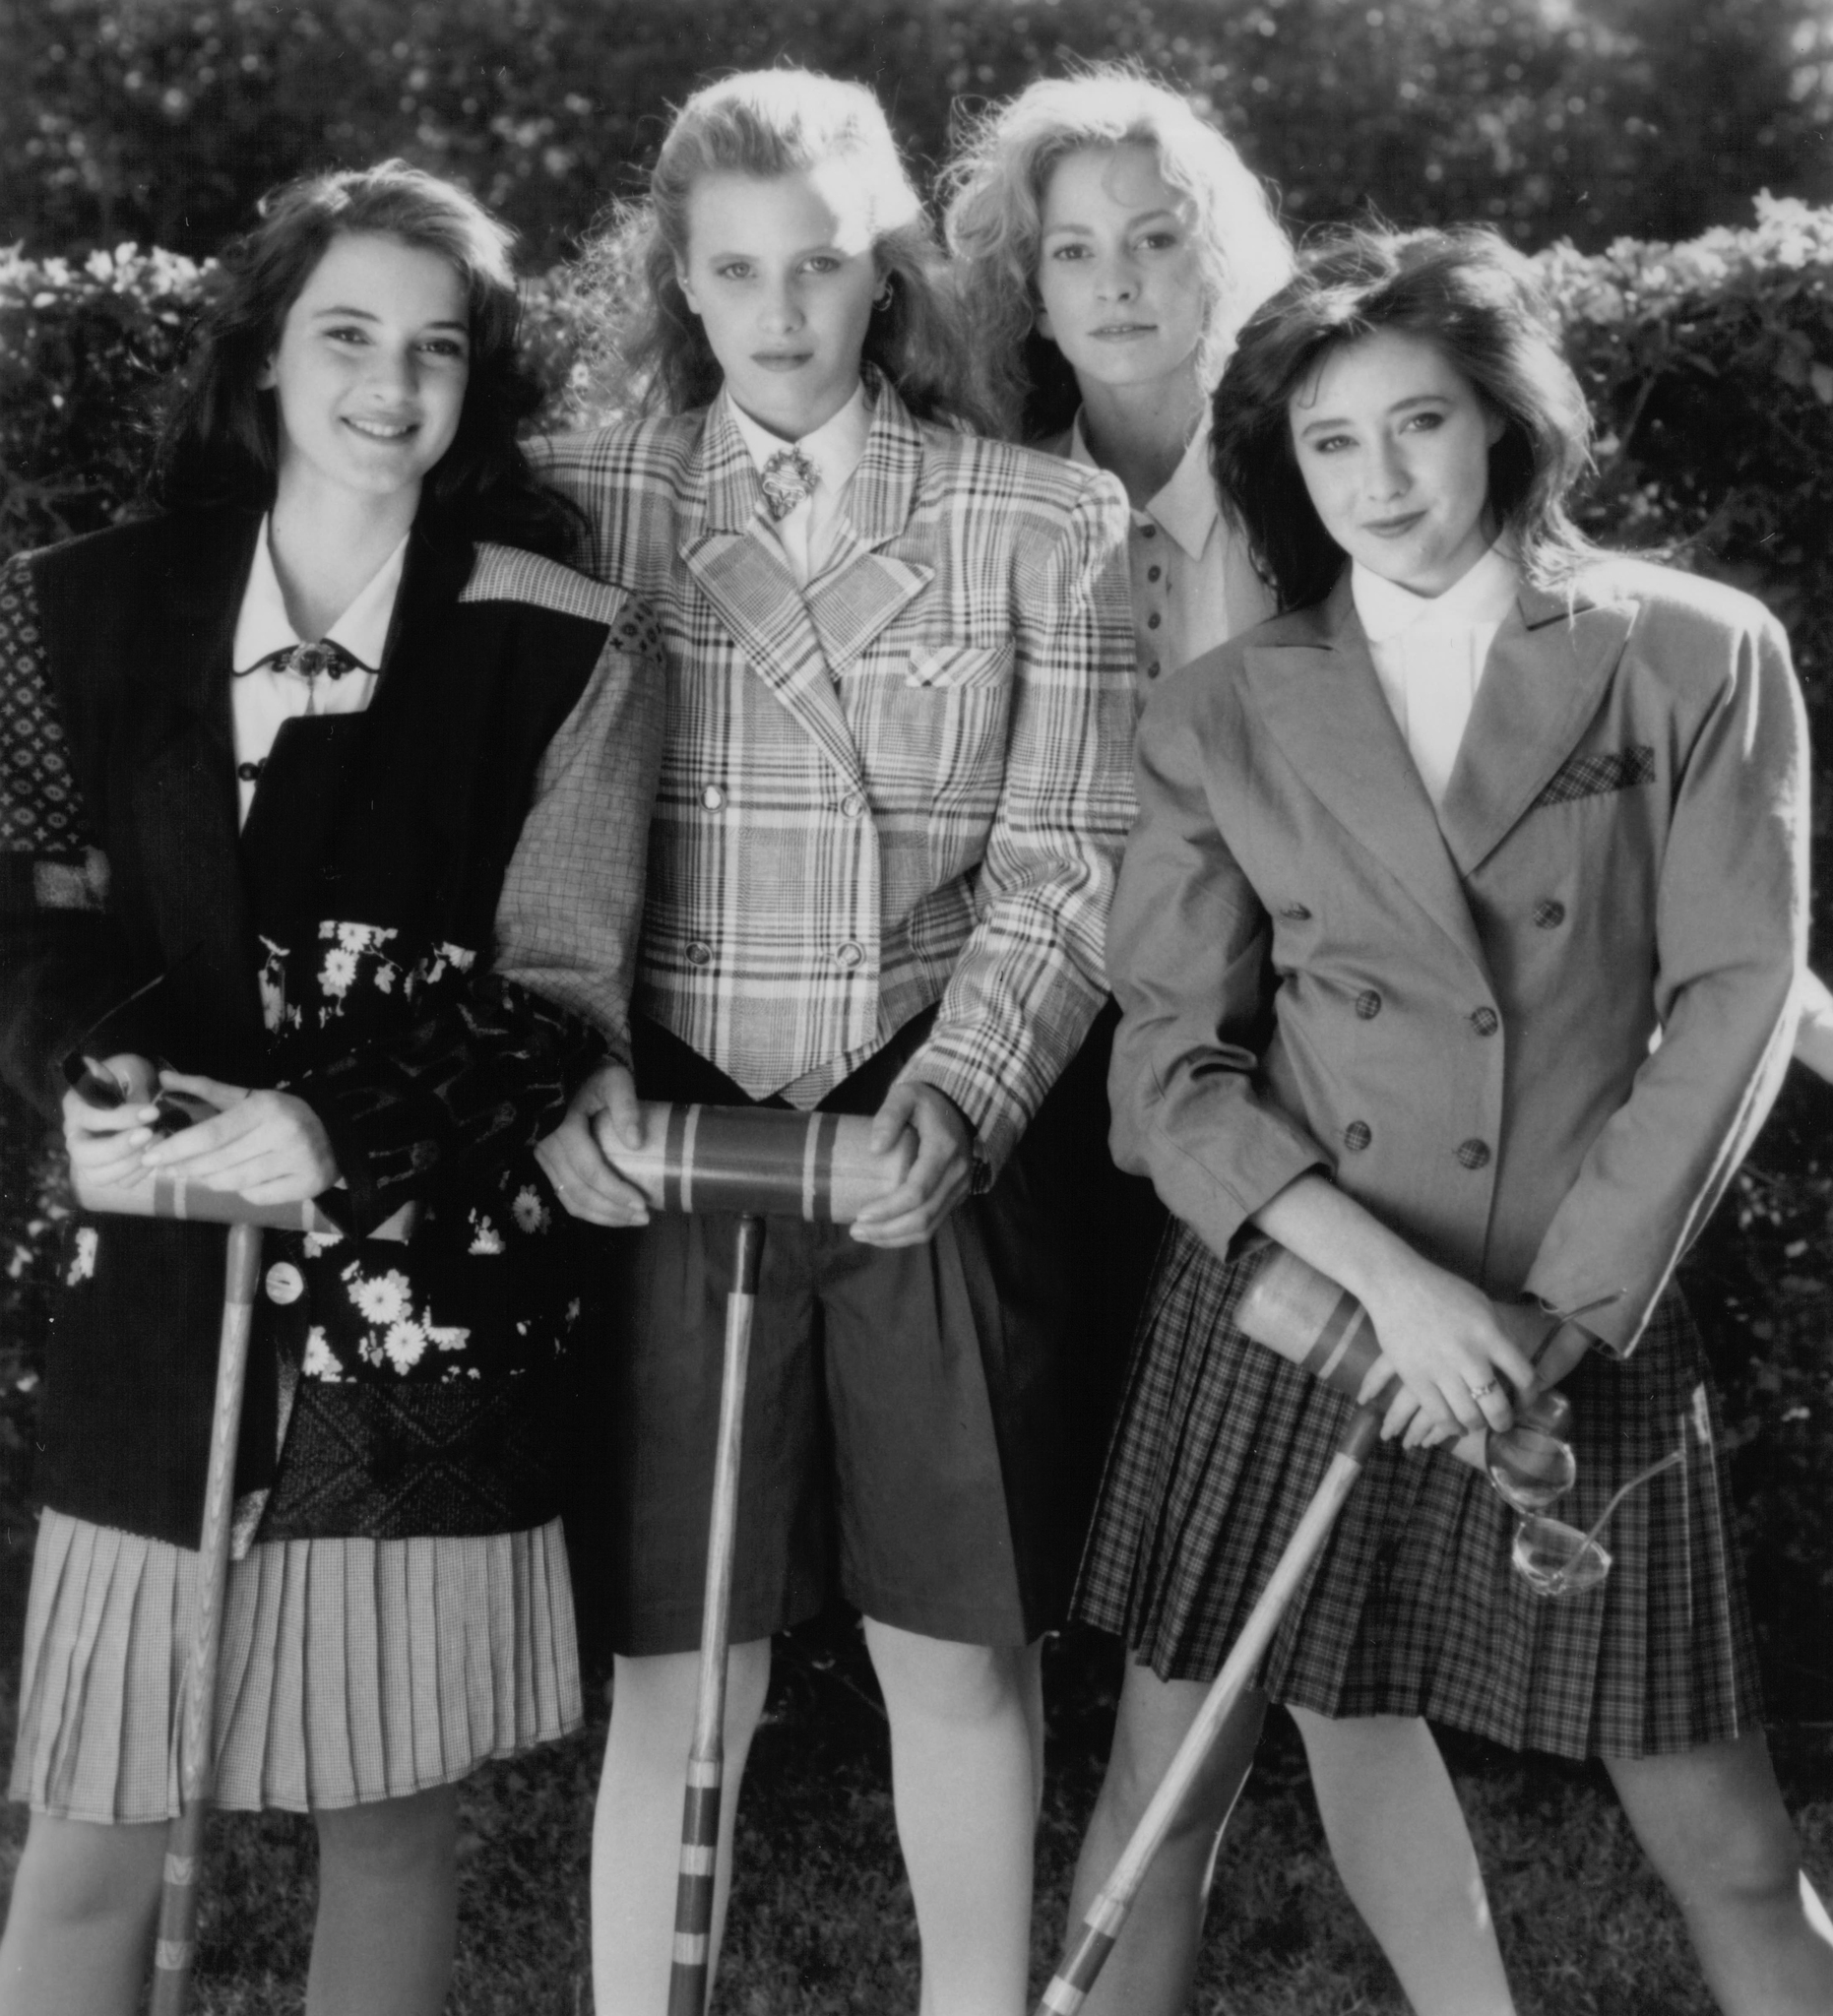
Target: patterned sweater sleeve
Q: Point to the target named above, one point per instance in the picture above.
(61, 959)
(489, 1074)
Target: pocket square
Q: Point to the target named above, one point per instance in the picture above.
(1605, 770)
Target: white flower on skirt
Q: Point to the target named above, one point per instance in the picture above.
(83, 1260)
(316, 1242)
(387, 1300)
(319, 1363)
(486, 1237)
(531, 1213)
(337, 973)
(406, 1344)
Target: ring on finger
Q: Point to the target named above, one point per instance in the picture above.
(1484, 1391)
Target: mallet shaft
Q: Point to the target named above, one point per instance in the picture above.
(1106, 1917)
(705, 1762)
(178, 1928)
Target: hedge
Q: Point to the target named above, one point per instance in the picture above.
(1709, 365)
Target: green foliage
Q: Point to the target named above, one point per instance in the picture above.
(1710, 369)
(161, 120)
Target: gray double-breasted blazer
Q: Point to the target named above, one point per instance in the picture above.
(1534, 1033)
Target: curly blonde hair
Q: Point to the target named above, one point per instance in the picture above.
(652, 355)
(995, 187)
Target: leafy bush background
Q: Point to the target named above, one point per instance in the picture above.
(1709, 364)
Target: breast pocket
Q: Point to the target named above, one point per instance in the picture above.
(957, 666)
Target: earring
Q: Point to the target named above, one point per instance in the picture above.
(882, 299)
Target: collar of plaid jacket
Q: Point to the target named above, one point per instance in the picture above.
(884, 487)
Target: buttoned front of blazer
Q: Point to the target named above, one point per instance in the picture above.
(908, 783)
(1536, 1038)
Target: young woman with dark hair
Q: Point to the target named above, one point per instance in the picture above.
(1457, 943)
(292, 787)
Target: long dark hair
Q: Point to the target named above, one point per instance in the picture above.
(220, 437)
(653, 355)
(1477, 302)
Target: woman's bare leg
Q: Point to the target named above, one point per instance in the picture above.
(1399, 1839)
(387, 1907)
(966, 1722)
(79, 1933)
(636, 1829)
(1153, 1962)
(1713, 1823)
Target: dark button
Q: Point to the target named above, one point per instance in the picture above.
(1474, 1155)
(1152, 671)
(700, 953)
(1150, 532)
(1153, 573)
(1485, 1021)
(1153, 621)
(248, 771)
(1358, 1135)
(1548, 913)
(1296, 912)
(1368, 1005)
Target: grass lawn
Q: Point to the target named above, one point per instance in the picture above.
(821, 1920)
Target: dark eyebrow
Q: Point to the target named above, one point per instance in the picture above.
(363, 315)
(1400, 406)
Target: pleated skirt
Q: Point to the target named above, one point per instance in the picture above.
(352, 1670)
(1413, 1607)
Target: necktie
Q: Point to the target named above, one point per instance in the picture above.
(308, 662)
(789, 477)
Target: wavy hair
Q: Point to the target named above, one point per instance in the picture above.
(652, 355)
(1480, 304)
(996, 184)
(219, 435)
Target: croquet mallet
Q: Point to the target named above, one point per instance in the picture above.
(758, 1161)
(161, 1196)
(1307, 1318)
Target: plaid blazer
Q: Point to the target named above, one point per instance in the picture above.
(909, 783)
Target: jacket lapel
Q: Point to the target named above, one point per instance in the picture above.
(1543, 683)
(184, 801)
(756, 598)
(861, 590)
(1322, 701)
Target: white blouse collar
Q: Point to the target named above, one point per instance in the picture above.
(264, 627)
(1484, 595)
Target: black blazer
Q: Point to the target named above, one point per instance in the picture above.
(122, 864)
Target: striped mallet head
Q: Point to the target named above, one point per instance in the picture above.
(768, 1161)
(1307, 1317)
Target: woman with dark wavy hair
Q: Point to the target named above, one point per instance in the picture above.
(1456, 943)
(293, 779)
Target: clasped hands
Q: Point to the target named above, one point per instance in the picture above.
(1464, 1362)
(589, 1188)
(266, 1146)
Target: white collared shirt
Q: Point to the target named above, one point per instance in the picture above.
(260, 701)
(1429, 653)
(1194, 585)
(805, 538)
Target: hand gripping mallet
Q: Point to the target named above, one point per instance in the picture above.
(758, 1161)
(1307, 1318)
(158, 1196)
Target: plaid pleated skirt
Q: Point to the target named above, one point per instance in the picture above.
(352, 1670)
(1413, 1607)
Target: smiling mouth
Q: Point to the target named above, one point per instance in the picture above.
(381, 431)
